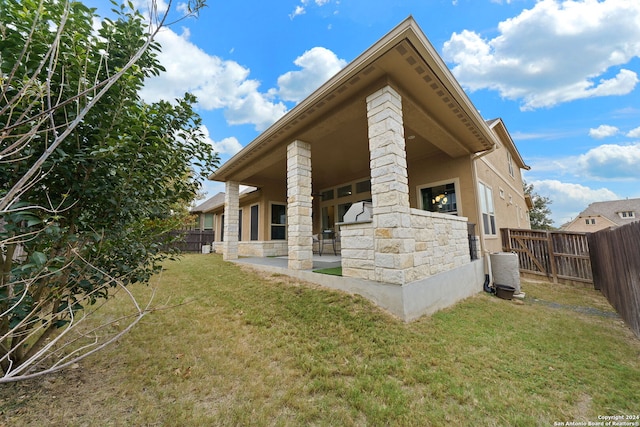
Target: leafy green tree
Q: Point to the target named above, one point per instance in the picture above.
(539, 214)
(92, 178)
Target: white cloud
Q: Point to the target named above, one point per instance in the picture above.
(227, 146)
(218, 83)
(603, 131)
(611, 162)
(555, 52)
(224, 84)
(254, 108)
(634, 133)
(318, 65)
(299, 10)
(567, 199)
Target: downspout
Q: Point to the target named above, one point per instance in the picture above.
(485, 253)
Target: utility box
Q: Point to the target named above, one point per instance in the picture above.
(506, 269)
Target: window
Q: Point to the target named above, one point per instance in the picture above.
(208, 221)
(222, 228)
(627, 214)
(363, 187)
(254, 222)
(326, 195)
(488, 212)
(240, 225)
(510, 163)
(344, 191)
(328, 217)
(590, 221)
(278, 222)
(441, 198)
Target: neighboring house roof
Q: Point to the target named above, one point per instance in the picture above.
(210, 203)
(611, 210)
(437, 114)
(218, 200)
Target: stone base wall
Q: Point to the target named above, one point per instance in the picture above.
(357, 250)
(257, 248)
(441, 244)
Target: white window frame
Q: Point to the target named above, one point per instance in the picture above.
(487, 210)
(456, 188)
(510, 164)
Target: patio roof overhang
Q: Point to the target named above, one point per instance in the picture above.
(438, 116)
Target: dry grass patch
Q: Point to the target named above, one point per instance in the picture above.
(245, 348)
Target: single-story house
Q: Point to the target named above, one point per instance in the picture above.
(390, 161)
(600, 215)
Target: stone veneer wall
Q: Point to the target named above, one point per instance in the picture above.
(299, 205)
(441, 244)
(263, 248)
(256, 248)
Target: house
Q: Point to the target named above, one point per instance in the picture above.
(600, 215)
(394, 137)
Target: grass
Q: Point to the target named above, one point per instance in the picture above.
(246, 348)
(332, 271)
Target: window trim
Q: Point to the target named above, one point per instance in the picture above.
(510, 164)
(271, 224)
(456, 188)
(485, 209)
(257, 222)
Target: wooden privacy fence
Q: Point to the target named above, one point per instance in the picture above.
(192, 240)
(554, 254)
(615, 257)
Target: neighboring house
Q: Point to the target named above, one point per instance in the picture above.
(393, 128)
(600, 215)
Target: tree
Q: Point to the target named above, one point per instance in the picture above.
(539, 214)
(92, 179)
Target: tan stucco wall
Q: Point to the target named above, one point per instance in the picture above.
(508, 194)
(440, 169)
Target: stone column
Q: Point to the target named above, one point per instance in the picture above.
(231, 217)
(394, 243)
(299, 225)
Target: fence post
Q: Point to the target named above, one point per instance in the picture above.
(552, 257)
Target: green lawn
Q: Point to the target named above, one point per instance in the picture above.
(245, 348)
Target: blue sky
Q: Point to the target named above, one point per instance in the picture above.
(563, 75)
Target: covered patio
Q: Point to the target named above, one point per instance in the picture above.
(389, 126)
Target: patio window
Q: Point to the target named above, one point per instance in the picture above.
(278, 222)
(363, 186)
(344, 191)
(440, 198)
(328, 218)
(208, 221)
(326, 195)
(254, 222)
(488, 212)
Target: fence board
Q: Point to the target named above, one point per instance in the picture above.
(192, 240)
(554, 254)
(615, 258)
